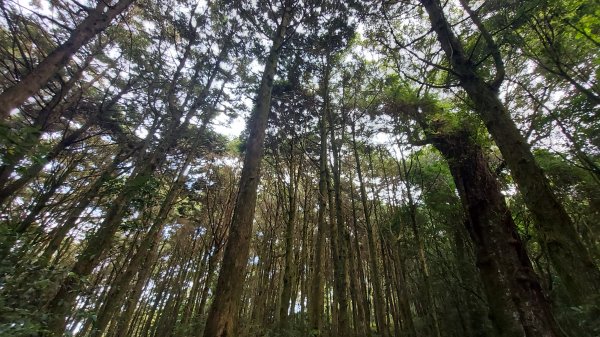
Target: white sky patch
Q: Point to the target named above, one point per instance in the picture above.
(141, 132)
(40, 7)
(230, 127)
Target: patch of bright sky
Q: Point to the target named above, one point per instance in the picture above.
(230, 127)
(40, 7)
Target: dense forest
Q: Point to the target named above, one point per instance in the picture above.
(220, 168)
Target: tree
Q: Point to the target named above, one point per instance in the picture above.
(556, 230)
(505, 268)
(221, 318)
(98, 19)
(371, 193)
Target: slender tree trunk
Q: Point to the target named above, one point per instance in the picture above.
(41, 122)
(186, 326)
(97, 20)
(404, 323)
(87, 260)
(41, 201)
(124, 325)
(58, 234)
(223, 311)
(402, 290)
(33, 170)
(423, 265)
(338, 230)
(316, 303)
(92, 254)
(8, 189)
(362, 326)
(288, 272)
(475, 326)
(373, 266)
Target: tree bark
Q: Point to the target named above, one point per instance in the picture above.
(373, 266)
(223, 311)
(288, 272)
(317, 296)
(338, 230)
(517, 304)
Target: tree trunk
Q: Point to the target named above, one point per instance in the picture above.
(362, 325)
(316, 302)
(34, 169)
(338, 230)
(517, 304)
(373, 266)
(119, 287)
(123, 326)
(223, 311)
(475, 326)
(58, 234)
(288, 272)
(423, 265)
(32, 139)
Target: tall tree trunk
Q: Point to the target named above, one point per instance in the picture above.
(517, 303)
(58, 234)
(402, 290)
(42, 121)
(405, 325)
(223, 311)
(97, 20)
(92, 254)
(373, 265)
(363, 325)
(34, 169)
(338, 230)
(556, 231)
(147, 164)
(423, 265)
(88, 259)
(316, 297)
(124, 324)
(288, 272)
(475, 326)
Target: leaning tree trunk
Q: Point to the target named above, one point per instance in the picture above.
(98, 20)
(517, 303)
(119, 287)
(556, 231)
(89, 258)
(99, 242)
(44, 118)
(223, 311)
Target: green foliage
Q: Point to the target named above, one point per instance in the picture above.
(171, 67)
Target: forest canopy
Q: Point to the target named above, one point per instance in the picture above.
(219, 168)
